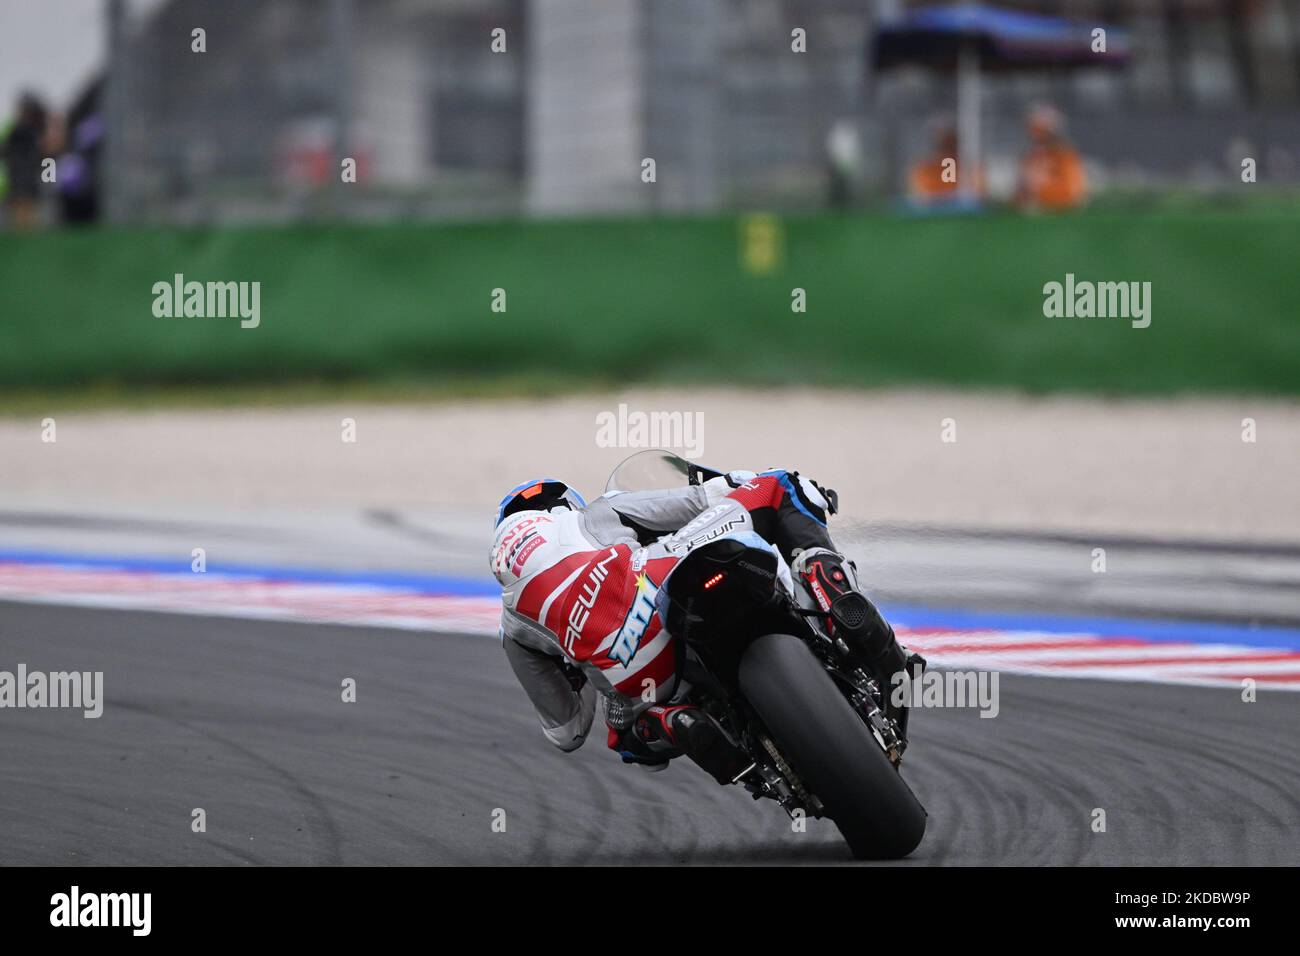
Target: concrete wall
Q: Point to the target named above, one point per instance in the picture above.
(585, 125)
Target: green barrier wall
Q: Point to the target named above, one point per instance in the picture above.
(889, 301)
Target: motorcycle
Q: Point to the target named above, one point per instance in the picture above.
(756, 654)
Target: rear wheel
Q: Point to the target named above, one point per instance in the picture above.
(830, 749)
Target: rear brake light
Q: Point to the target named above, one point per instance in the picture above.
(716, 579)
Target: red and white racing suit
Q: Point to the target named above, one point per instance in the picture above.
(579, 589)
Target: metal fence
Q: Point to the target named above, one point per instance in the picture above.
(255, 126)
(257, 123)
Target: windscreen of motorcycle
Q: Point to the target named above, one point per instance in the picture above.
(649, 470)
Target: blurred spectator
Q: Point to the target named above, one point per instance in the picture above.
(1051, 171)
(844, 163)
(936, 179)
(21, 152)
(79, 173)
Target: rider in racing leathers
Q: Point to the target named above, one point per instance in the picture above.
(578, 596)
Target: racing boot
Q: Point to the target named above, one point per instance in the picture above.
(833, 583)
(693, 732)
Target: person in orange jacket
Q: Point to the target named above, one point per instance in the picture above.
(1051, 171)
(934, 179)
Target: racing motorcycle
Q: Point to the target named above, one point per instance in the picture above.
(756, 654)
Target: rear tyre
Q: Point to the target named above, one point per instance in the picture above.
(830, 748)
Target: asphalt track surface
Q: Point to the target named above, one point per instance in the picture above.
(245, 720)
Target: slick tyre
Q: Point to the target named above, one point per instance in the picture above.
(830, 748)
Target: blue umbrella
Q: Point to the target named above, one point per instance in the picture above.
(937, 37)
(972, 38)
